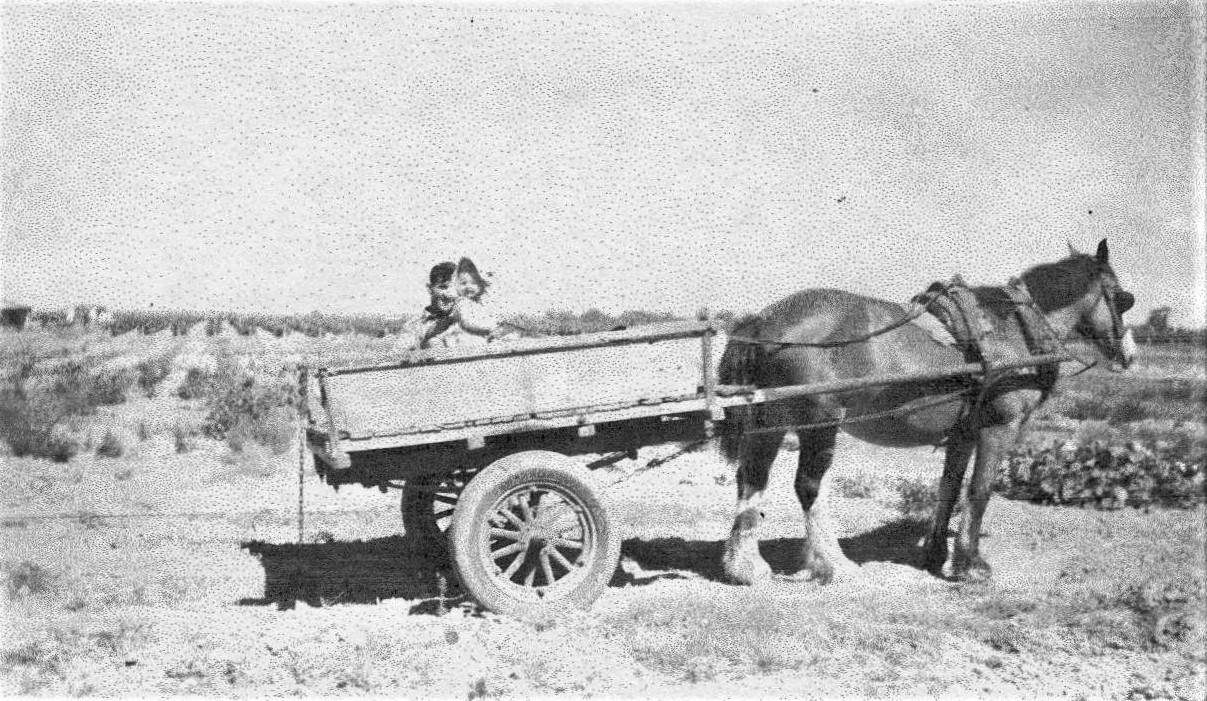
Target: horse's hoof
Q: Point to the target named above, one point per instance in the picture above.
(747, 572)
(933, 564)
(973, 571)
(822, 576)
(934, 556)
(826, 572)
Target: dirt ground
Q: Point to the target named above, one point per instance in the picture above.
(181, 573)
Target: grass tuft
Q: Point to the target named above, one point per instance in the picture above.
(111, 445)
(27, 578)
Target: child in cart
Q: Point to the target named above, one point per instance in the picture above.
(437, 317)
(458, 314)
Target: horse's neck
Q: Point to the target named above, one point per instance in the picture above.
(1063, 320)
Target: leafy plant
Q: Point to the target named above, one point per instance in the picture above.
(1101, 475)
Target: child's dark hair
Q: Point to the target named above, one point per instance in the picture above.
(441, 273)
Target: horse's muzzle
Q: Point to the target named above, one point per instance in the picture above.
(1127, 350)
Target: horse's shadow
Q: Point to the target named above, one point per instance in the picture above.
(367, 572)
(895, 542)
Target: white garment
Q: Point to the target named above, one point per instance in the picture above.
(474, 324)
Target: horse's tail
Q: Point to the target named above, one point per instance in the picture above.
(741, 364)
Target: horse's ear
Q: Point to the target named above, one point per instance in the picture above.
(1103, 254)
(1072, 251)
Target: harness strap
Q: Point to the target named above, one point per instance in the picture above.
(956, 307)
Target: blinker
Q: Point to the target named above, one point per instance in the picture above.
(1124, 301)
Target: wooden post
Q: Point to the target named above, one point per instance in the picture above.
(708, 373)
(301, 484)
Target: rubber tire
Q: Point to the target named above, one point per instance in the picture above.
(473, 510)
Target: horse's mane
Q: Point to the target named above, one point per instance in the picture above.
(1056, 285)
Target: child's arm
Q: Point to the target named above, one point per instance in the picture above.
(432, 327)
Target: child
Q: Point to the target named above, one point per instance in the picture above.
(471, 314)
(437, 316)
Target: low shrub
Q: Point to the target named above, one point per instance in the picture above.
(111, 445)
(197, 383)
(183, 438)
(859, 485)
(918, 497)
(108, 387)
(27, 578)
(253, 410)
(31, 425)
(1101, 475)
(153, 370)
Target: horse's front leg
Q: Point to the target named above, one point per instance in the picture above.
(967, 563)
(955, 464)
(741, 560)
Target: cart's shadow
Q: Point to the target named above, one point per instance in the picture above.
(355, 572)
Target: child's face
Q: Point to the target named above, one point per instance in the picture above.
(468, 287)
(443, 293)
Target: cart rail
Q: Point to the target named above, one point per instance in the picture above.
(552, 381)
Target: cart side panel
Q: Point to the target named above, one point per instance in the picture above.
(397, 399)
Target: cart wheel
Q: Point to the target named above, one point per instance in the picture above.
(529, 536)
(428, 502)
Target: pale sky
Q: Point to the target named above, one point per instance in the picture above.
(290, 157)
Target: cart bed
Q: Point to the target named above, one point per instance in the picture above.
(445, 395)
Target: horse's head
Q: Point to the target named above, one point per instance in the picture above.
(1085, 291)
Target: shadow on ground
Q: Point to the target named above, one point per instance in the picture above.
(357, 572)
(895, 542)
(366, 572)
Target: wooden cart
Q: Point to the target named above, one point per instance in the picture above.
(479, 440)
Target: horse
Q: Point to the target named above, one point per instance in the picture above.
(819, 335)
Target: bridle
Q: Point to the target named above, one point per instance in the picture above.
(1117, 302)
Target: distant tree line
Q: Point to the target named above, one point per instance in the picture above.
(315, 324)
(1157, 329)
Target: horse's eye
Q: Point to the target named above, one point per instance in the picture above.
(1124, 301)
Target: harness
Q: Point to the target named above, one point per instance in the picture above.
(965, 318)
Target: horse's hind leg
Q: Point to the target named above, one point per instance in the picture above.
(741, 559)
(822, 555)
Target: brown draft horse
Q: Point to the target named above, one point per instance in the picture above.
(1078, 296)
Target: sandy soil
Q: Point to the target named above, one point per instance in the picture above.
(169, 573)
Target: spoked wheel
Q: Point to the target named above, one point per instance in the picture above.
(428, 503)
(530, 536)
